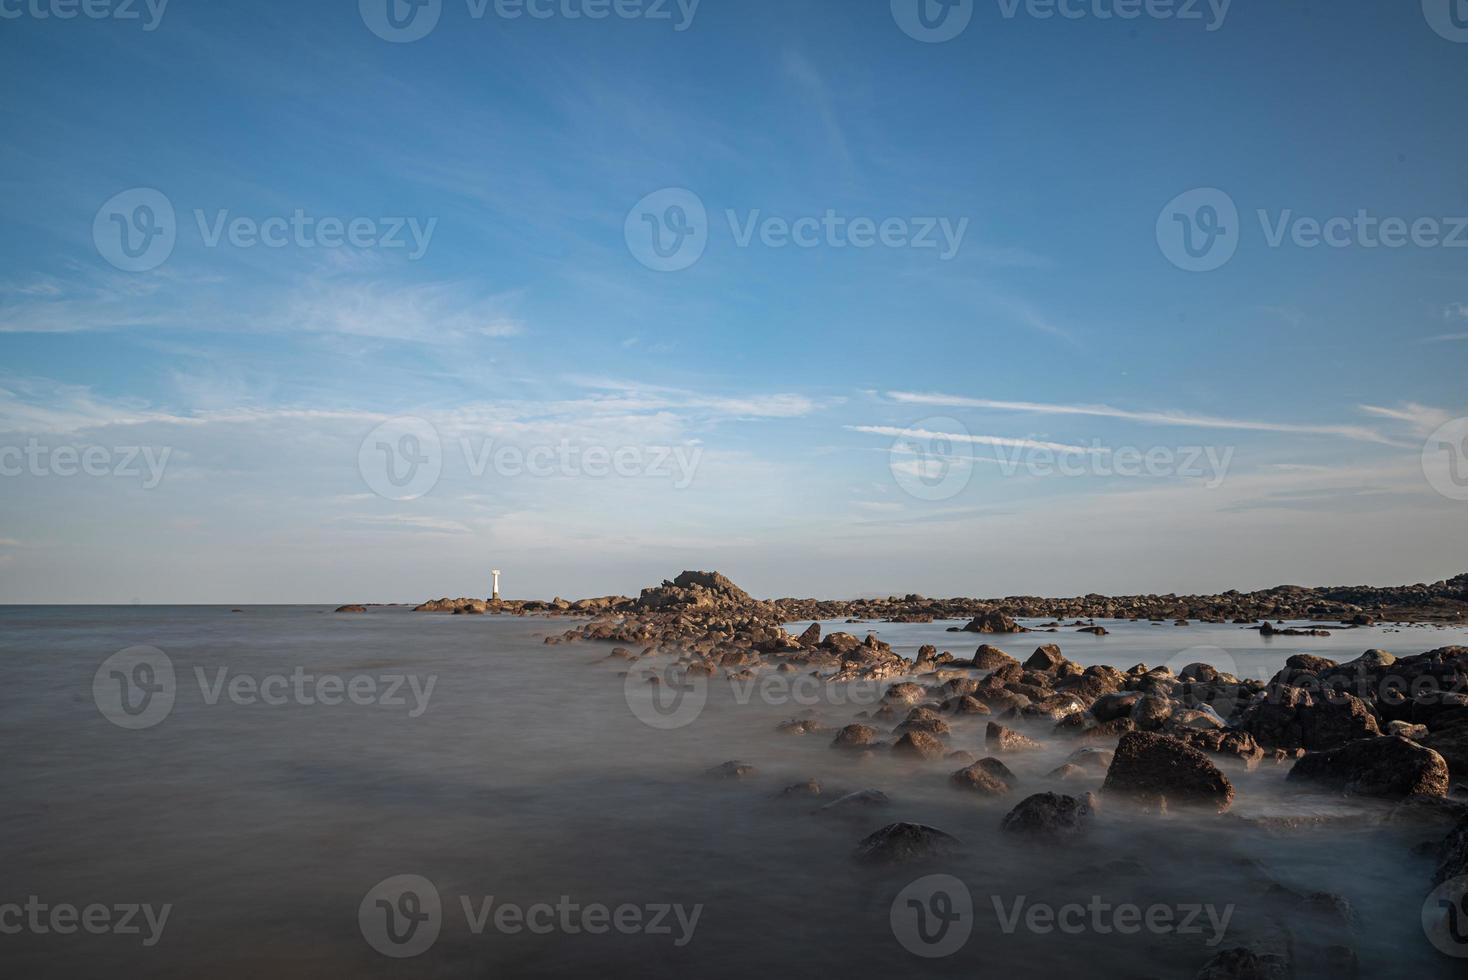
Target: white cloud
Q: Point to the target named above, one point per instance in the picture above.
(964, 437)
(1360, 433)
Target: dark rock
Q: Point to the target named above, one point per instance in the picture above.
(346, 609)
(854, 803)
(1158, 769)
(811, 637)
(1047, 657)
(731, 770)
(901, 843)
(993, 621)
(1050, 815)
(810, 787)
(1390, 766)
(1242, 963)
(1452, 855)
(989, 658)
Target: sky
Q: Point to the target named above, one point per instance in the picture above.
(356, 301)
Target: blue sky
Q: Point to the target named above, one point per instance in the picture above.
(786, 375)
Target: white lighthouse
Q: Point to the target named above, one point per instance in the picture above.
(495, 592)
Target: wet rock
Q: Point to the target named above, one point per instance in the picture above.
(1159, 769)
(855, 737)
(1001, 739)
(1292, 717)
(1112, 706)
(1391, 766)
(811, 637)
(924, 745)
(905, 693)
(731, 770)
(1094, 630)
(902, 843)
(1050, 816)
(979, 778)
(1452, 745)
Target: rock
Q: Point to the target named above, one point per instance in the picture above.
(731, 770)
(1112, 706)
(1096, 630)
(1292, 718)
(990, 658)
(1452, 745)
(1159, 769)
(1050, 816)
(1001, 739)
(966, 705)
(993, 621)
(801, 726)
(902, 843)
(1452, 855)
(854, 737)
(905, 693)
(979, 778)
(857, 802)
(1067, 771)
(810, 787)
(1242, 963)
(1150, 712)
(348, 609)
(1047, 657)
(924, 745)
(811, 638)
(1390, 766)
(924, 720)
(1097, 760)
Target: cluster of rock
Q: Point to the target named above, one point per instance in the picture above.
(1145, 738)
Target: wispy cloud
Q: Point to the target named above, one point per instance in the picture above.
(964, 437)
(1422, 418)
(1186, 419)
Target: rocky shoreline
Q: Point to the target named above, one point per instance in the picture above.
(1443, 602)
(1144, 740)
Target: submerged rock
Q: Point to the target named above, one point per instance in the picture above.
(854, 737)
(924, 745)
(1050, 815)
(731, 770)
(900, 843)
(860, 800)
(1162, 770)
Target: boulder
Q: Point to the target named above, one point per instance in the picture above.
(1050, 816)
(1452, 855)
(1158, 769)
(924, 745)
(731, 770)
(1390, 766)
(1001, 739)
(902, 843)
(1242, 963)
(811, 638)
(990, 658)
(1452, 745)
(854, 737)
(1047, 657)
(978, 778)
(853, 803)
(993, 621)
(809, 787)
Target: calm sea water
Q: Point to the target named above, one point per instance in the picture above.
(525, 773)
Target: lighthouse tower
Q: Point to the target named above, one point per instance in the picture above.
(495, 593)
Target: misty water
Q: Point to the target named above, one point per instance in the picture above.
(526, 774)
